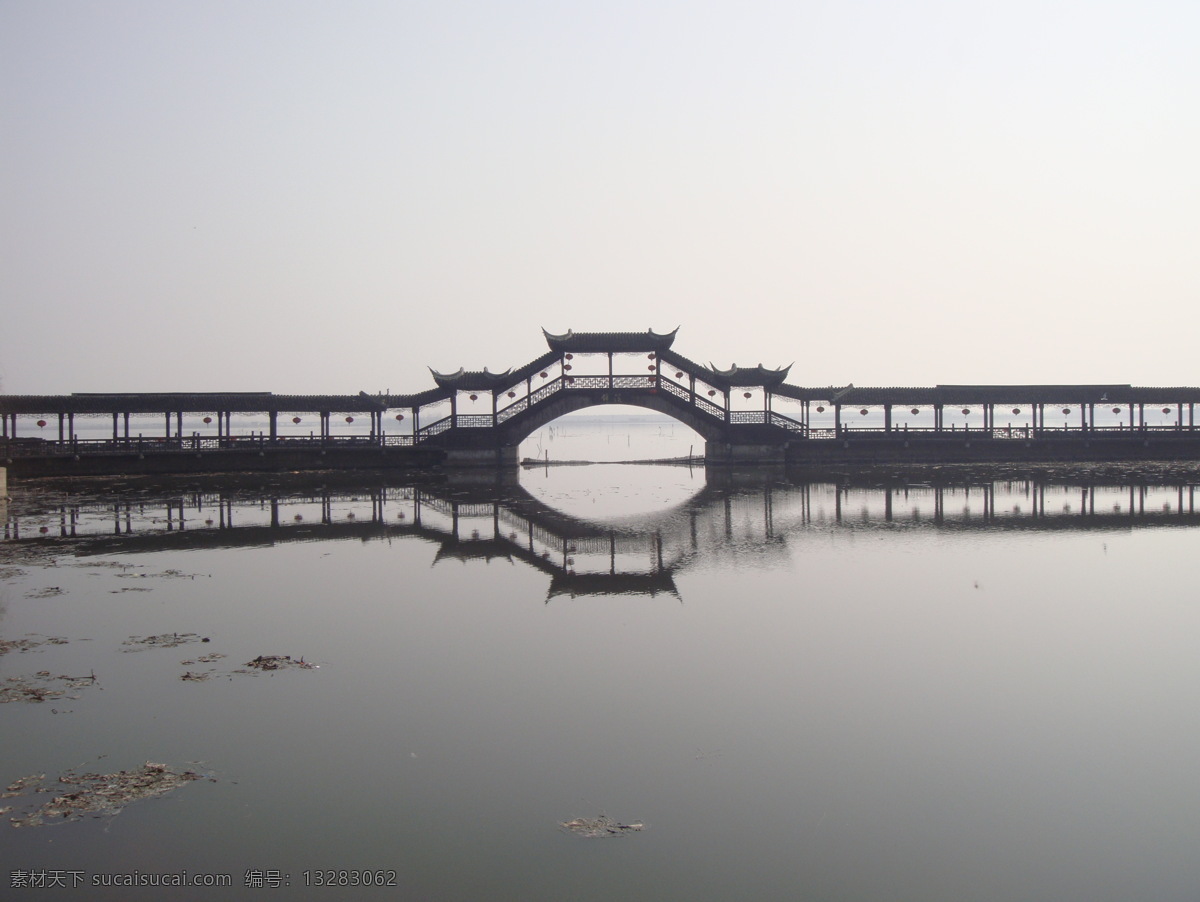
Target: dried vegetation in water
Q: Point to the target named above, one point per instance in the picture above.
(280, 662)
(600, 826)
(43, 686)
(165, 640)
(93, 794)
(7, 645)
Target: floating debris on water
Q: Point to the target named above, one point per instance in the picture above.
(7, 645)
(166, 640)
(42, 686)
(45, 592)
(600, 826)
(204, 659)
(17, 787)
(95, 795)
(166, 574)
(279, 662)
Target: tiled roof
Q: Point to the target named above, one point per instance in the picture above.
(610, 341)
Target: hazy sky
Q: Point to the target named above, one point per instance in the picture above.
(307, 196)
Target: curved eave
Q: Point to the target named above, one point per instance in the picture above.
(472, 380)
(617, 342)
(740, 377)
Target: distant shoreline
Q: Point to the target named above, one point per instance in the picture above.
(685, 461)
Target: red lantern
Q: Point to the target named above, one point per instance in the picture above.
(745, 394)
(41, 423)
(1016, 410)
(863, 411)
(1066, 410)
(566, 366)
(512, 394)
(820, 409)
(474, 397)
(542, 374)
(650, 379)
(650, 356)
(679, 375)
(295, 419)
(570, 356)
(570, 380)
(915, 411)
(711, 392)
(207, 420)
(650, 367)
(1165, 410)
(349, 419)
(1116, 410)
(966, 411)
(399, 417)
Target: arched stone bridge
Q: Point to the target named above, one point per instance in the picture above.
(728, 408)
(745, 415)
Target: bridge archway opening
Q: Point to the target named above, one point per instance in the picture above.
(612, 433)
(620, 496)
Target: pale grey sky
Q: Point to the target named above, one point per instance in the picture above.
(306, 196)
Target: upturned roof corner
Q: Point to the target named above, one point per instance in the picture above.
(752, 375)
(472, 380)
(618, 342)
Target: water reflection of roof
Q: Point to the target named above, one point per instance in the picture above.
(577, 584)
(486, 550)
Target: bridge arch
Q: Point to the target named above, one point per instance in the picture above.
(526, 423)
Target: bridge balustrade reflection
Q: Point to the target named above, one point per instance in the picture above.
(584, 557)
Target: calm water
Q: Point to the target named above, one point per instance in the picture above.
(933, 685)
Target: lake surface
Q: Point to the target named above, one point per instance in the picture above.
(942, 684)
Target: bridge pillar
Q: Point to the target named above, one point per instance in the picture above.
(726, 453)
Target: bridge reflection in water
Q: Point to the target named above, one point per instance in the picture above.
(584, 557)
